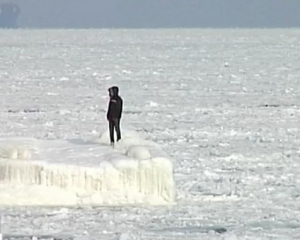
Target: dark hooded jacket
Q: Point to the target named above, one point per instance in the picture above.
(115, 106)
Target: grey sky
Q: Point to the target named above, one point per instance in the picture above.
(158, 13)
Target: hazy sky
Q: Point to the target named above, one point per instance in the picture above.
(158, 13)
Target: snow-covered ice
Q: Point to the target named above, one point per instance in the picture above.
(223, 103)
(84, 172)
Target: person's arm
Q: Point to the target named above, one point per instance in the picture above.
(120, 108)
(108, 110)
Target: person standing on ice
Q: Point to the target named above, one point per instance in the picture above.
(114, 113)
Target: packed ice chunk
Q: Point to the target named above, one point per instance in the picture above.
(78, 172)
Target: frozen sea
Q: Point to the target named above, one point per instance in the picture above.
(223, 103)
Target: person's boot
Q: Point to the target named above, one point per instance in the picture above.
(112, 144)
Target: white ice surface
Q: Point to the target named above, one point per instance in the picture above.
(223, 103)
(84, 172)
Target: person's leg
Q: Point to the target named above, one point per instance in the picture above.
(111, 131)
(118, 130)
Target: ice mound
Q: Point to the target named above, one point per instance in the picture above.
(78, 172)
(138, 152)
(16, 149)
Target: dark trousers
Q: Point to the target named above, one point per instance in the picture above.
(114, 124)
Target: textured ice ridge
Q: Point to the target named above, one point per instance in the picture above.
(77, 172)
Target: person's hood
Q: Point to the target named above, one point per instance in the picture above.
(115, 90)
